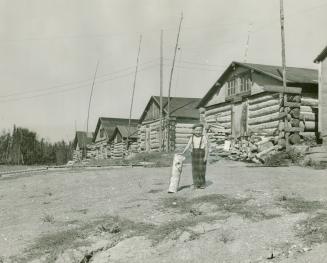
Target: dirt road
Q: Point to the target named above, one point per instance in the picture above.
(125, 215)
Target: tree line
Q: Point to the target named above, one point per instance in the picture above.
(22, 146)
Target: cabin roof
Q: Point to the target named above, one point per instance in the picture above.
(82, 139)
(180, 107)
(109, 125)
(321, 56)
(123, 130)
(294, 76)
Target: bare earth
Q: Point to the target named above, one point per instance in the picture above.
(125, 215)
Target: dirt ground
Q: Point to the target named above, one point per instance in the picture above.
(245, 214)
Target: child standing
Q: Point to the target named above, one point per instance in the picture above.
(198, 145)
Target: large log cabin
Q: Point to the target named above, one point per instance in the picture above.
(322, 62)
(245, 100)
(176, 131)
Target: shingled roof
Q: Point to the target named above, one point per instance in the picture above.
(109, 125)
(180, 107)
(294, 76)
(82, 139)
(321, 56)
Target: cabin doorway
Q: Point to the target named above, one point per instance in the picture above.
(239, 119)
(147, 138)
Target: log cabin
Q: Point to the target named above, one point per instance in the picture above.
(118, 141)
(103, 133)
(246, 100)
(176, 131)
(81, 143)
(322, 62)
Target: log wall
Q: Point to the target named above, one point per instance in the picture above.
(183, 132)
(218, 123)
(309, 113)
(263, 114)
(151, 132)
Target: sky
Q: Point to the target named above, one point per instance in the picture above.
(49, 50)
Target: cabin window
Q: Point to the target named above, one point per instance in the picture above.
(239, 84)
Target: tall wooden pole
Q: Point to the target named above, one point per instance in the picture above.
(171, 77)
(282, 19)
(88, 110)
(133, 91)
(283, 96)
(247, 43)
(161, 140)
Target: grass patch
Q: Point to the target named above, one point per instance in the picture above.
(47, 218)
(313, 230)
(299, 205)
(53, 244)
(221, 203)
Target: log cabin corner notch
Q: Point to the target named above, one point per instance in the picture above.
(245, 100)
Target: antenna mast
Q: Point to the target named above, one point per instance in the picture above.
(88, 110)
(170, 80)
(133, 91)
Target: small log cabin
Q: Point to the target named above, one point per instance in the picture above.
(103, 133)
(245, 100)
(118, 141)
(81, 143)
(183, 115)
(322, 62)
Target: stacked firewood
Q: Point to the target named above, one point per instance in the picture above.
(255, 148)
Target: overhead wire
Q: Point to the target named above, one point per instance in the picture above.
(85, 81)
(77, 87)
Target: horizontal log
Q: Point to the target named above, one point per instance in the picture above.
(183, 135)
(264, 111)
(181, 140)
(218, 109)
(304, 109)
(307, 116)
(263, 98)
(309, 102)
(264, 104)
(311, 126)
(184, 125)
(265, 119)
(279, 89)
(183, 130)
(224, 119)
(267, 125)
